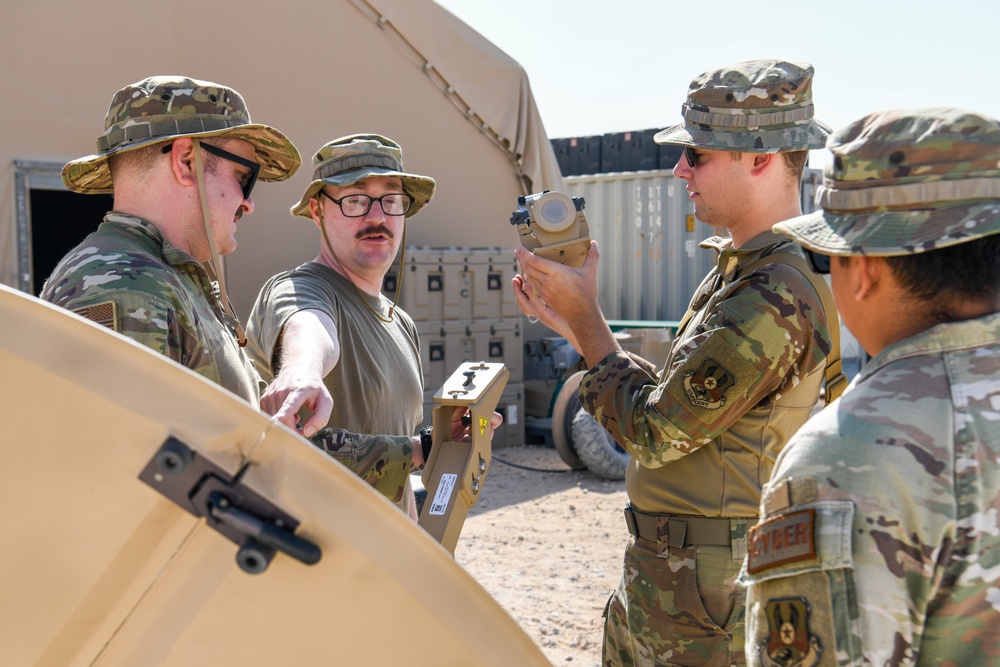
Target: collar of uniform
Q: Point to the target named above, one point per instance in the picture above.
(172, 254)
(377, 302)
(730, 259)
(941, 338)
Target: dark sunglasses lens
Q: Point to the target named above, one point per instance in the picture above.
(821, 263)
(691, 156)
(248, 188)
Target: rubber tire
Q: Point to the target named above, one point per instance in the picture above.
(564, 409)
(597, 449)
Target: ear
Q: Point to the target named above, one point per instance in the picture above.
(182, 161)
(869, 275)
(763, 162)
(316, 211)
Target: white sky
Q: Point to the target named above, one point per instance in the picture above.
(599, 66)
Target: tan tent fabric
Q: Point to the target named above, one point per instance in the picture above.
(483, 81)
(315, 70)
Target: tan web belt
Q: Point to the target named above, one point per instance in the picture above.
(678, 530)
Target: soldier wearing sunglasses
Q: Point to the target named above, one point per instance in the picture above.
(704, 425)
(181, 158)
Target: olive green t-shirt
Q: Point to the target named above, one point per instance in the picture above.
(377, 384)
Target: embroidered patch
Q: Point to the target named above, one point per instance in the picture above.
(789, 641)
(105, 314)
(706, 387)
(783, 539)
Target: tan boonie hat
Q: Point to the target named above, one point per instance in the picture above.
(904, 182)
(353, 158)
(758, 106)
(162, 108)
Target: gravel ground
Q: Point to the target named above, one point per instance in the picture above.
(547, 544)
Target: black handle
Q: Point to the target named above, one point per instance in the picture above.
(221, 509)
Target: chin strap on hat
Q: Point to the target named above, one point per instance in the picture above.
(210, 267)
(364, 299)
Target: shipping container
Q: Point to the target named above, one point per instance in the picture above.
(645, 225)
(651, 262)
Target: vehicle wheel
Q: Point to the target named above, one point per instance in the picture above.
(597, 449)
(566, 405)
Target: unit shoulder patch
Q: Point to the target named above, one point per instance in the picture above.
(707, 386)
(789, 640)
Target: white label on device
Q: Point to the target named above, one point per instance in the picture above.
(443, 494)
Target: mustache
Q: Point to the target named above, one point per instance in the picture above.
(375, 231)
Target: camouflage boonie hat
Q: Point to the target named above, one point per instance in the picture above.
(758, 106)
(904, 182)
(162, 108)
(353, 158)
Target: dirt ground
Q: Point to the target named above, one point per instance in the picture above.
(547, 542)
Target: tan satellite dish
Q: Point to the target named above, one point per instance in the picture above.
(101, 568)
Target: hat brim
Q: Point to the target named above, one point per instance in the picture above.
(276, 154)
(895, 232)
(809, 135)
(421, 188)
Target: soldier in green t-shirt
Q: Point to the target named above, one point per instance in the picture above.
(334, 345)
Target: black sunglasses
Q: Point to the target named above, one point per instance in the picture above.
(691, 156)
(226, 155)
(820, 263)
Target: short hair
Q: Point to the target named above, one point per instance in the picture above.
(139, 160)
(795, 162)
(960, 273)
(142, 159)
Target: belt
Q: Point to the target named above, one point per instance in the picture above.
(677, 530)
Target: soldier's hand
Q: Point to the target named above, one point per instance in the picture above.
(461, 425)
(566, 293)
(292, 391)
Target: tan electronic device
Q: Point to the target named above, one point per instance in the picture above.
(552, 225)
(454, 472)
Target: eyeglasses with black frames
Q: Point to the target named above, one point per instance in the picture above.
(247, 181)
(355, 206)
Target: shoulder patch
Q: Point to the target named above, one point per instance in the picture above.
(707, 386)
(105, 314)
(789, 640)
(784, 539)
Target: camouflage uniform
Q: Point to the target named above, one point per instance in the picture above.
(128, 278)
(742, 375)
(377, 384)
(125, 275)
(878, 542)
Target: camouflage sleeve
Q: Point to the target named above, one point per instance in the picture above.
(381, 460)
(145, 319)
(769, 330)
(878, 543)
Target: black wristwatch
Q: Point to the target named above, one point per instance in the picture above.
(426, 440)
